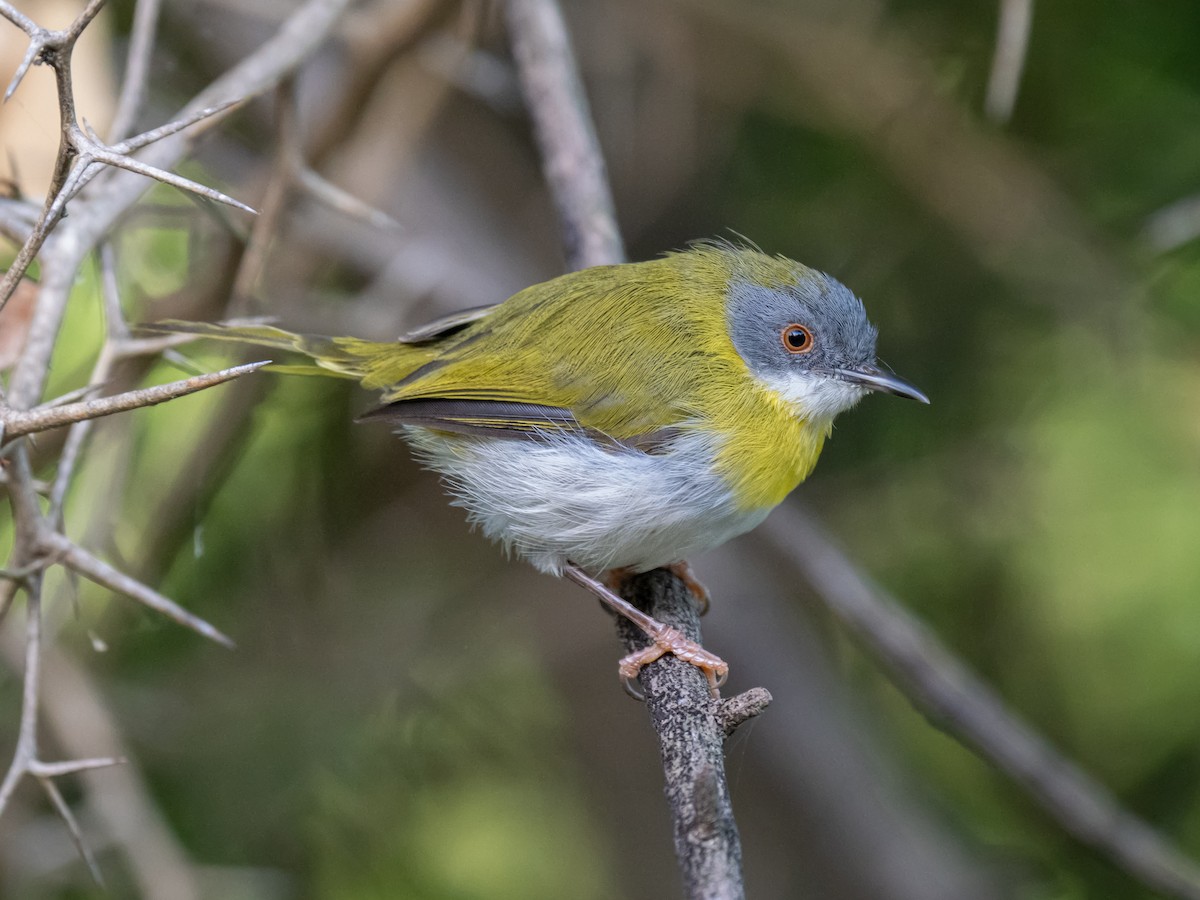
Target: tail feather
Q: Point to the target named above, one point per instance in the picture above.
(345, 357)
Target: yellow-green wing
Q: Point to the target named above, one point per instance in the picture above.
(623, 350)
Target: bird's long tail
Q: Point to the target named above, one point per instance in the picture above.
(375, 364)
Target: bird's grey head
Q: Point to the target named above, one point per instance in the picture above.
(809, 340)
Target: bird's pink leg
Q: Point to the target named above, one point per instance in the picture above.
(683, 571)
(614, 578)
(666, 639)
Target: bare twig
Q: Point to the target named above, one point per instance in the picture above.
(80, 722)
(117, 337)
(265, 228)
(26, 750)
(938, 684)
(1012, 40)
(17, 423)
(74, 766)
(44, 45)
(733, 712)
(22, 21)
(342, 201)
(82, 155)
(292, 44)
(290, 171)
(571, 155)
(54, 48)
(26, 760)
(296, 167)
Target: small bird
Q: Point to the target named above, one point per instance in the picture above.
(620, 418)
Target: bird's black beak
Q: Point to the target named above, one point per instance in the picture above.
(875, 379)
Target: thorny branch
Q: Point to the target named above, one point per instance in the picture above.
(88, 155)
(61, 246)
(19, 422)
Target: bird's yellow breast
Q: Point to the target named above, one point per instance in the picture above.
(766, 447)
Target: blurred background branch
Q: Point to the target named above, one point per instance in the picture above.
(956, 702)
(1012, 42)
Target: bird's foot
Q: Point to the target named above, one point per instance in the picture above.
(671, 640)
(666, 638)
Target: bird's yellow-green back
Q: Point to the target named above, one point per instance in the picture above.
(628, 349)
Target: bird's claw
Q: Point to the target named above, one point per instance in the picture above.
(671, 640)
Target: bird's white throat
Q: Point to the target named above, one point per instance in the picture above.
(816, 396)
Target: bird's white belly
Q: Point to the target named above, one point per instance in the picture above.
(567, 499)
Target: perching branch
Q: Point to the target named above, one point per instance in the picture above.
(956, 701)
(691, 726)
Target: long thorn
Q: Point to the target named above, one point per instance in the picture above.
(31, 53)
(178, 181)
(137, 142)
(56, 798)
(73, 766)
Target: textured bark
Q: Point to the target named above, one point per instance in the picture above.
(691, 727)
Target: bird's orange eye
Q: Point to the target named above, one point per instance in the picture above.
(796, 339)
